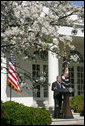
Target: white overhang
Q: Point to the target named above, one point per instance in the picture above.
(64, 30)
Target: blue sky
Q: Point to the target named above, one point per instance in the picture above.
(77, 3)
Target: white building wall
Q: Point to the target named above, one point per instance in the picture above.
(27, 101)
(64, 30)
(3, 79)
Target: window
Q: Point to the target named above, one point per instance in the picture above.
(71, 73)
(77, 79)
(45, 70)
(80, 79)
(35, 76)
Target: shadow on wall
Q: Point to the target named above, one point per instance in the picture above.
(51, 111)
(40, 103)
(24, 93)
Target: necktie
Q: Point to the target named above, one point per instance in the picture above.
(59, 84)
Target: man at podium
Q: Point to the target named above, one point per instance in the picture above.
(56, 86)
(61, 87)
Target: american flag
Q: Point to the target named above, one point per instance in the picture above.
(65, 76)
(13, 80)
(65, 66)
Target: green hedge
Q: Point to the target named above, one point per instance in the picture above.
(4, 117)
(77, 104)
(18, 114)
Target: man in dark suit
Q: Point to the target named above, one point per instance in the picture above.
(57, 96)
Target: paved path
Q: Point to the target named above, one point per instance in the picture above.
(78, 120)
(75, 121)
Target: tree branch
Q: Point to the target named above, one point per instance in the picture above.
(66, 16)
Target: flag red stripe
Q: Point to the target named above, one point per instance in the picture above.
(14, 72)
(11, 68)
(14, 78)
(9, 79)
(12, 82)
(12, 75)
(15, 82)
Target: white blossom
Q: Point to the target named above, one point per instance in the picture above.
(24, 3)
(26, 57)
(75, 57)
(42, 14)
(72, 47)
(2, 34)
(56, 41)
(45, 10)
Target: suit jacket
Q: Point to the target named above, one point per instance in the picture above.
(54, 84)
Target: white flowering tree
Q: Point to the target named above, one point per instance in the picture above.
(34, 24)
(28, 24)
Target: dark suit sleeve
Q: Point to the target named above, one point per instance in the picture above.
(53, 85)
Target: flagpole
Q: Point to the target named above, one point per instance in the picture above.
(10, 92)
(67, 114)
(12, 76)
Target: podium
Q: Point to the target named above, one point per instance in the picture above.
(66, 110)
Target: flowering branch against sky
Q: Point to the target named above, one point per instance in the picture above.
(78, 3)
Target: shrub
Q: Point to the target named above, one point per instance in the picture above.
(77, 104)
(18, 114)
(41, 116)
(4, 117)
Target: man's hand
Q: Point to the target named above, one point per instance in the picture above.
(55, 88)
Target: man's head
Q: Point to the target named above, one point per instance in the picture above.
(58, 78)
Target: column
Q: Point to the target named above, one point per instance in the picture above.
(3, 79)
(53, 71)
